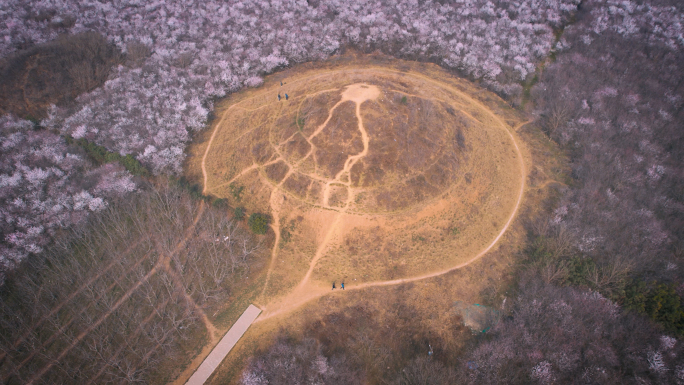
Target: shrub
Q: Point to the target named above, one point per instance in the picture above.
(100, 155)
(239, 213)
(658, 301)
(236, 191)
(664, 307)
(220, 203)
(293, 362)
(636, 295)
(194, 189)
(132, 165)
(579, 270)
(258, 223)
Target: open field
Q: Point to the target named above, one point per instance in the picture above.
(372, 175)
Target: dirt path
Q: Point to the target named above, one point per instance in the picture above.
(521, 124)
(178, 281)
(357, 93)
(276, 201)
(211, 140)
(548, 182)
(223, 117)
(305, 293)
(178, 284)
(24, 81)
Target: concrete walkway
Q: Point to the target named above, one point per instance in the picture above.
(224, 346)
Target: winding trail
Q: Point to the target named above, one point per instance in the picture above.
(358, 93)
(307, 291)
(223, 117)
(275, 202)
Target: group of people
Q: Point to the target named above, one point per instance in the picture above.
(286, 95)
(341, 285)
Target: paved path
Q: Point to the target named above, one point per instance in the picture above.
(224, 346)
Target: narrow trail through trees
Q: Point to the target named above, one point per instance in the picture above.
(95, 324)
(163, 263)
(71, 296)
(135, 335)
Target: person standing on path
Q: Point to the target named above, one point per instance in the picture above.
(333, 286)
(342, 285)
(286, 97)
(278, 97)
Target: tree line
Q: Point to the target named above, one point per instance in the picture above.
(126, 296)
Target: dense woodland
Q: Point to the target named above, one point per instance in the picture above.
(123, 298)
(598, 288)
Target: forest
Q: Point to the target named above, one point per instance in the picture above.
(99, 101)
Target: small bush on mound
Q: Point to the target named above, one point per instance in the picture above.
(195, 189)
(236, 191)
(220, 203)
(239, 213)
(659, 301)
(259, 223)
